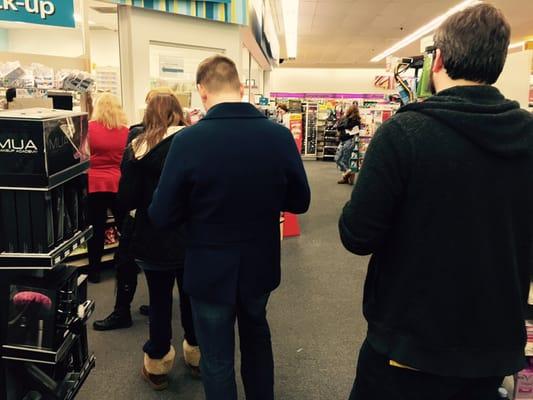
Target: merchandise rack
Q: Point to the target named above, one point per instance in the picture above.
(309, 150)
(47, 261)
(330, 144)
(322, 121)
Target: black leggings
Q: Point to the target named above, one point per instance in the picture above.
(98, 204)
(126, 267)
(160, 286)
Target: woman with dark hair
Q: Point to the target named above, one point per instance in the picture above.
(347, 127)
(160, 253)
(126, 267)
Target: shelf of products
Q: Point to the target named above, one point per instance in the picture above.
(322, 123)
(372, 117)
(44, 261)
(309, 149)
(79, 257)
(108, 80)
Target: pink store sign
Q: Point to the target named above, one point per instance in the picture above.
(365, 96)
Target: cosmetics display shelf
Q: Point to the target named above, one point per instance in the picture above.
(75, 381)
(52, 181)
(46, 261)
(35, 355)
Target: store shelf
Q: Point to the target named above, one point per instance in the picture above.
(45, 261)
(37, 355)
(81, 378)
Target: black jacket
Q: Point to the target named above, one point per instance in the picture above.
(228, 178)
(444, 203)
(140, 175)
(344, 125)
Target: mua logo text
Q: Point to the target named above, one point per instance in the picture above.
(19, 146)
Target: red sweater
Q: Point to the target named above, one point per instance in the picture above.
(107, 147)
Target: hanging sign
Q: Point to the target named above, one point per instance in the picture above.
(229, 11)
(42, 12)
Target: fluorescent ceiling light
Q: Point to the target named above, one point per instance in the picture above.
(425, 30)
(290, 20)
(517, 45)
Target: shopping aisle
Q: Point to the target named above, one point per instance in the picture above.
(315, 316)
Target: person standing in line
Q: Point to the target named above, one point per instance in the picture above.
(228, 178)
(126, 267)
(444, 203)
(348, 127)
(159, 252)
(107, 138)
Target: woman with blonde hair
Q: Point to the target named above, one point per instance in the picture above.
(107, 138)
(160, 253)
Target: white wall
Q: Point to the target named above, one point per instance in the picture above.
(66, 43)
(51, 42)
(138, 27)
(104, 48)
(325, 80)
(515, 78)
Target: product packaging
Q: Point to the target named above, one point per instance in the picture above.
(37, 146)
(524, 384)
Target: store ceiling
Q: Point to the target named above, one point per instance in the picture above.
(348, 33)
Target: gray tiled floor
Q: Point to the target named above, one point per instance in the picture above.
(315, 316)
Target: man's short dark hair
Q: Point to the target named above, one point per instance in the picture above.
(474, 44)
(218, 73)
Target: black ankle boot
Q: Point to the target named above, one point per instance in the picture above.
(115, 320)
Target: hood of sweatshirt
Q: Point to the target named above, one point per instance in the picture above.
(151, 159)
(484, 116)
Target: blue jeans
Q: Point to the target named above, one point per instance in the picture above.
(215, 329)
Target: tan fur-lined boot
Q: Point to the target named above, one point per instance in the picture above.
(155, 371)
(192, 356)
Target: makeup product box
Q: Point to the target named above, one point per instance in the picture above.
(524, 384)
(40, 148)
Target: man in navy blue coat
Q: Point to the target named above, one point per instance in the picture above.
(228, 178)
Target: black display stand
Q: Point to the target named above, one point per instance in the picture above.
(44, 308)
(57, 372)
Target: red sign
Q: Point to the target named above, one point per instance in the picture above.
(296, 128)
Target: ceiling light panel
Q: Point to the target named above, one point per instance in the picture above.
(424, 30)
(290, 10)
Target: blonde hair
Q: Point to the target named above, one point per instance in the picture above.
(108, 112)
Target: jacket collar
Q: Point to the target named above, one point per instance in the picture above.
(232, 111)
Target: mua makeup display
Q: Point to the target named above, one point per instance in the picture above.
(43, 302)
